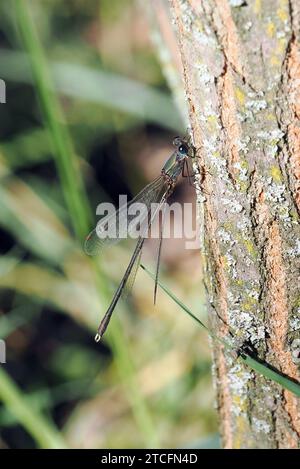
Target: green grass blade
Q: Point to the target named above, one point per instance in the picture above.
(264, 370)
(256, 365)
(43, 432)
(174, 298)
(65, 158)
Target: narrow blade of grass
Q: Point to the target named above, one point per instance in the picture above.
(65, 158)
(256, 365)
(266, 371)
(43, 432)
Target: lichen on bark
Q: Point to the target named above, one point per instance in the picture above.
(241, 67)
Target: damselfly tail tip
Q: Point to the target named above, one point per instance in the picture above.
(155, 294)
(98, 337)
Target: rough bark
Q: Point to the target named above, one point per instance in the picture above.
(241, 65)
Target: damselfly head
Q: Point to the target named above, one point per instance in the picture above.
(181, 146)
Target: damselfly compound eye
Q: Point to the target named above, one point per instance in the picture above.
(183, 149)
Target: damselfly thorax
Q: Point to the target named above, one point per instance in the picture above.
(175, 165)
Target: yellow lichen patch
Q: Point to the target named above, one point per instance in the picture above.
(250, 247)
(243, 186)
(212, 118)
(271, 29)
(199, 24)
(248, 305)
(275, 61)
(239, 334)
(282, 211)
(276, 58)
(276, 174)
(281, 45)
(294, 215)
(257, 7)
(225, 263)
(240, 96)
(239, 282)
(241, 430)
(212, 121)
(244, 164)
(227, 226)
(270, 116)
(239, 402)
(282, 14)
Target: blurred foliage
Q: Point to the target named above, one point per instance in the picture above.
(102, 129)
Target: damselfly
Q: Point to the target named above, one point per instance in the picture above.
(157, 192)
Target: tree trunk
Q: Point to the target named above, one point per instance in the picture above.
(241, 65)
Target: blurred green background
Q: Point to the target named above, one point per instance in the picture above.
(105, 128)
